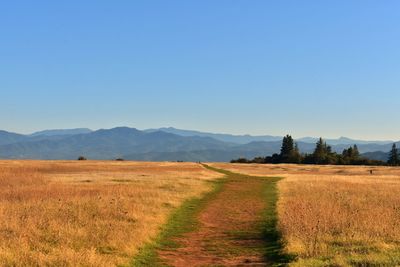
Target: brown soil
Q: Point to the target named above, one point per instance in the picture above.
(230, 229)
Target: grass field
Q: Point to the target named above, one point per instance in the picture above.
(100, 213)
(88, 213)
(336, 215)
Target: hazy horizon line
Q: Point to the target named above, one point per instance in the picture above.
(195, 130)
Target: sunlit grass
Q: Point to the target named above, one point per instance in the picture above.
(88, 213)
(336, 215)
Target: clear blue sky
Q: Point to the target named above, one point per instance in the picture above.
(310, 68)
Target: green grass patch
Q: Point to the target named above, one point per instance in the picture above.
(274, 250)
(182, 220)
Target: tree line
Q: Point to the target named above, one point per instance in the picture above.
(322, 154)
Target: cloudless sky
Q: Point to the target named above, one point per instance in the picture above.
(309, 68)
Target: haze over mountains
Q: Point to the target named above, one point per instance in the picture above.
(164, 144)
(62, 132)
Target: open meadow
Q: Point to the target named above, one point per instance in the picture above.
(100, 213)
(88, 213)
(336, 215)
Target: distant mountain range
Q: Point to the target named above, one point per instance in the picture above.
(164, 144)
(238, 139)
(344, 141)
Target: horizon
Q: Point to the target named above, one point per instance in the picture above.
(260, 68)
(203, 131)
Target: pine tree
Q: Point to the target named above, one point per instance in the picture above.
(320, 151)
(356, 153)
(351, 155)
(287, 149)
(323, 153)
(394, 156)
(296, 157)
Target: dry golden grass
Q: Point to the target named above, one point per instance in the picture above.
(88, 213)
(336, 215)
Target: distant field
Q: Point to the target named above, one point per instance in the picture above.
(336, 215)
(88, 213)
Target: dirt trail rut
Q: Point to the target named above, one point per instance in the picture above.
(232, 228)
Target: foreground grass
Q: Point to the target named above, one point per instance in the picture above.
(347, 223)
(184, 220)
(92, 213)
(337, 215)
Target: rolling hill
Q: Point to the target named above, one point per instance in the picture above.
(9, 138)
(107, 144)
(157, 145)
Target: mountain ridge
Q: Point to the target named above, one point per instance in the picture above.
(156, 144)
(246, 138)
(53, 132)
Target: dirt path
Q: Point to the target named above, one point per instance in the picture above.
(236, 227)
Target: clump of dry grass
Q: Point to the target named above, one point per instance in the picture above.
(65, 213)
(337, 215)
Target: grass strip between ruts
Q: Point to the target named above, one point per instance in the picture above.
(182, 220)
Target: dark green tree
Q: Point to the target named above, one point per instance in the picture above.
(320, 152)
(287, 149)
(296, 157)
(394, 156)
(350, 156)
(356, 153)
(323, 153)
